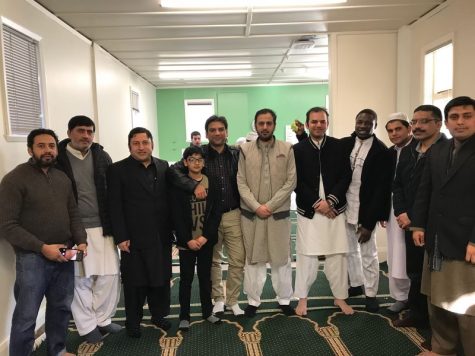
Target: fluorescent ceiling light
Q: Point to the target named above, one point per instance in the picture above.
(219, 4)
(204, 67)
(206, 74)
(215, 53)
(192, 62)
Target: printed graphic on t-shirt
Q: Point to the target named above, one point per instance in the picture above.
(198, 208)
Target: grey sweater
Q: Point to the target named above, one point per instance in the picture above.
(38, 208)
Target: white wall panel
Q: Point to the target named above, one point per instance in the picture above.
(362, 75)
(113, 84)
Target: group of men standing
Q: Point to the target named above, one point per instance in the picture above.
(343, 190)
(431, 242)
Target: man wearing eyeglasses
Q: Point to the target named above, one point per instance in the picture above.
(426, 124)
(444, 223)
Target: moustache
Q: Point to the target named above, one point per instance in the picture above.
(418, 130)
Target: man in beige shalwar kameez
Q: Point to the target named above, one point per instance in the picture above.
(266, 178)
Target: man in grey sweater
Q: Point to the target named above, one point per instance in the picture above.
(38, 216)
(96, 279)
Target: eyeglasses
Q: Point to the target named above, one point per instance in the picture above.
(421, 121)
(193, 160)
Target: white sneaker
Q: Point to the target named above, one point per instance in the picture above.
(218, 307)
(236, 309)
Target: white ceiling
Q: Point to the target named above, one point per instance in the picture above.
(152, 40)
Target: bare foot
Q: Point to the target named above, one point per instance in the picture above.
(345, 308)
(301, 307)
(68, 354)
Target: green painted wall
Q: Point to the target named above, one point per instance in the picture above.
(238, 105)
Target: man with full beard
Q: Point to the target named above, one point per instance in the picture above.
(38, 217)
(266, 178)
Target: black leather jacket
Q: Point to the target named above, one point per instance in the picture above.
(178, 172)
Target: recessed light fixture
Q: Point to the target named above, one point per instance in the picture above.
(205, 74)
(219, 4)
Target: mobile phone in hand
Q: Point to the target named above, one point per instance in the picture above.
(72, 254)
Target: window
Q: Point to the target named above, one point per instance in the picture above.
(197, 111)
(22, 81)
(438, 77)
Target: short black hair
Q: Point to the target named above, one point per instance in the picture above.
(139, 130)
(458, 101)
(36, 132)
(216, 118)
(81, 120)
(195, 133)
(265, 111)
(436, 113)
(190, 151)
(369, 112)
(316, 109)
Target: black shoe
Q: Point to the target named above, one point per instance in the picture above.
(162, 323)
(372, 304)
(134, 332)
(410, 321)
(426, 344)
(250, 311)
(287, 309)
(355, 291)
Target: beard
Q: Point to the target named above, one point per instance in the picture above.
(265, 136)
(45, 160)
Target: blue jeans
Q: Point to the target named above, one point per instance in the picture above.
(38, 277)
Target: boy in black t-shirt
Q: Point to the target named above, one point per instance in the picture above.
(196, 227)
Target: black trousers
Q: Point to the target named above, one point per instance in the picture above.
(158, 299)
(202, 259)
(414, 263)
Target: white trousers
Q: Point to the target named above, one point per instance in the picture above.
(363, 264)
(399, 283)
(399, 288)
(95, 301)
(255, 276)
(336, 268)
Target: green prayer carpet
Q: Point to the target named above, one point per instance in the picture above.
(324, 331)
